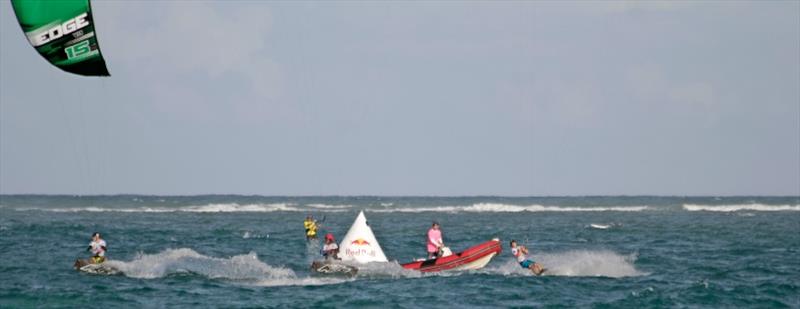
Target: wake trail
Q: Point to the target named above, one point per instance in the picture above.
(575, 263)
(246, 268)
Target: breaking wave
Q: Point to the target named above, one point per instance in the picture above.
(474, 208)
(576, 263)
(210, 208)
(288, 207)
(326, 206)
(253, 235)
(246, 268)
(599, 226)
(739, 207)
(490, 207)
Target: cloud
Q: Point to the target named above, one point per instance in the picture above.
(575, 104)
(630, 6)
(690, 99)
(169, 48)
(572, 101)
(698, 94)
(648, 83)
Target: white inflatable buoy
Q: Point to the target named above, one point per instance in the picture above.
(359, 244)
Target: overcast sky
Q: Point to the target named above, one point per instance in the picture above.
(420, 98)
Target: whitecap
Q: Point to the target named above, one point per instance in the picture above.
(326, 206)
(209, 208)
(246, 269)
(183, 260)
(739, 207)
(576, 263)
(492, 207)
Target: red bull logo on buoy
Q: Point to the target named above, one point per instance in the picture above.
(360, 251)
(360, 242)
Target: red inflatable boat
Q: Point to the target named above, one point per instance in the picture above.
(475, 257)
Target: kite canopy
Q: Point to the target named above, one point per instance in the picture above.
(63, 33)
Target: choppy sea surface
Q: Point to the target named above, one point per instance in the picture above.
(250, 251)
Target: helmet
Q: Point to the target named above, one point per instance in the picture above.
(329, 236)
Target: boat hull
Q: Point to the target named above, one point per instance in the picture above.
(475, 257)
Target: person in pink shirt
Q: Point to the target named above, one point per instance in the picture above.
(435, 242)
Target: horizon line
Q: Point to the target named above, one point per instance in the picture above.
(400, 196)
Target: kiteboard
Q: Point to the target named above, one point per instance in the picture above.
(96, 269)
(333, 268)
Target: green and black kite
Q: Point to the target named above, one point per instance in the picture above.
(63, 33)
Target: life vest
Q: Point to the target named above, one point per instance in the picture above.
(311, 228)
(517, 252)
(97, 247)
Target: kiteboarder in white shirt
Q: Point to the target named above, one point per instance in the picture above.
(521, 253)
(98, 249)
(330, 250)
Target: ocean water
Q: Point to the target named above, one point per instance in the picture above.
(250, 251)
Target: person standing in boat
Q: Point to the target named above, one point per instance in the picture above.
(330, 250)
(311, 228)
(98, 249)
(521, 253)
(435, 242)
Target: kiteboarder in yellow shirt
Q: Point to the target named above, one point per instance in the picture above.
(311, 228)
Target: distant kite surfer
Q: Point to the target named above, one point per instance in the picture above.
(520, 252)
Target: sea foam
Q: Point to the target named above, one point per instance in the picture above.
(209, 208)
(589, 263)
(184, 260)
(493, 207)
(326, 206)
(246, 268)
(576, 263)
(738, 207)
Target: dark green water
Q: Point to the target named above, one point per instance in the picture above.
(236, 251)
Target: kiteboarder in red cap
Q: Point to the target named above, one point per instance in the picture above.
(330, 250)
